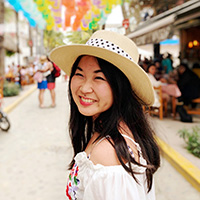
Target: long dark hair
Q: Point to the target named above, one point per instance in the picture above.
(126, 108)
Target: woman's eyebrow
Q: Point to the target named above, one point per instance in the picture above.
(97, 71)
(79, 68)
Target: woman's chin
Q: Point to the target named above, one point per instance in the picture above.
(87, 114)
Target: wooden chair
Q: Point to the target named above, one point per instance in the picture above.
(196, 71)
(163, 105)
(174, 107)
(195, 111)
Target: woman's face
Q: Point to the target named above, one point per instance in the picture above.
(90, 89)
(181, 69)
(152, 70)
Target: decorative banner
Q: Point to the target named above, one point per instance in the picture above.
(30, 6)
(98, 13)
(103, 18)
(78, 14)
(69, 11)
(56, 10)
(17, 6)
(100, 4)
(87, 14)
(82, 7)
(86, 20)
(43, 7)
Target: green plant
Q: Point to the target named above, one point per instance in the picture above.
(9, 53)
(192, 139)
(79, 37)
(52, 39)
(10, 89)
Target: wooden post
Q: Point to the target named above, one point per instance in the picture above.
(2, 49)
(124, 12)
(17, 36)
(30, 40)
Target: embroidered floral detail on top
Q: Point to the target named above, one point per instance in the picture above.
(73, 183)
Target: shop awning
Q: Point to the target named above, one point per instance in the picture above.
(162, 26)
(154, 26)
(154, 33)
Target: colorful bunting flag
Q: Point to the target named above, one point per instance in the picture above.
(56, 14)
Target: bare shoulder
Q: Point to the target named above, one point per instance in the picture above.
(104, 154)
(50, 65)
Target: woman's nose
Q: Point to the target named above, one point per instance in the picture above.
(86, 87)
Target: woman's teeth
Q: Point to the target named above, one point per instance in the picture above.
(87, 100)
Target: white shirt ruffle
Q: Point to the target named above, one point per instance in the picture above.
(98, 182)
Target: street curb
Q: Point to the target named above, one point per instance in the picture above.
(9, 108)
(190, 172)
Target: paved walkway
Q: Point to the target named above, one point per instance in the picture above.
(35, 153)
(167, 129)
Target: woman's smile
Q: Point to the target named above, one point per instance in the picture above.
(86, 101)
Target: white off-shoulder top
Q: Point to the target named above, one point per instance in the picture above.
(97, 182)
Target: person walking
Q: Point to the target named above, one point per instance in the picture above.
(115, 152)
(44, 69)
(51, 83)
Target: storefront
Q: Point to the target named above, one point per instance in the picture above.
(183, 21)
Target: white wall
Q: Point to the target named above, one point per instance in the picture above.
(23, 40)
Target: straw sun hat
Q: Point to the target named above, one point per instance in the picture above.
(114, 48)
(43, 58)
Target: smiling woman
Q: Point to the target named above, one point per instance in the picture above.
(90, 89)
(115, 153)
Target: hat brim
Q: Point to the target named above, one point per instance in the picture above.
(65, 56)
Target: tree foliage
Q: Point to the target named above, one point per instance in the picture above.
(9, 53)
(78, 37)
(52, 39)
(9, 15)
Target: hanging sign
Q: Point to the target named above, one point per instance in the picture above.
(125, 23)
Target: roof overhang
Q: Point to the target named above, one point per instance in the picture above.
(154, 26)
(155, 36)
(162, 26)
(155, 32)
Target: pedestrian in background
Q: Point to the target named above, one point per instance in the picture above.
(51, 83)
(44, 69)
(9, 74)
(189, 84)
(115, 153)
(167, 63)
(168, 89)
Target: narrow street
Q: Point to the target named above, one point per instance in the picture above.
(35, 153)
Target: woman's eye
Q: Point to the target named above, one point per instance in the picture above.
(78, 74)
(100, 78)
